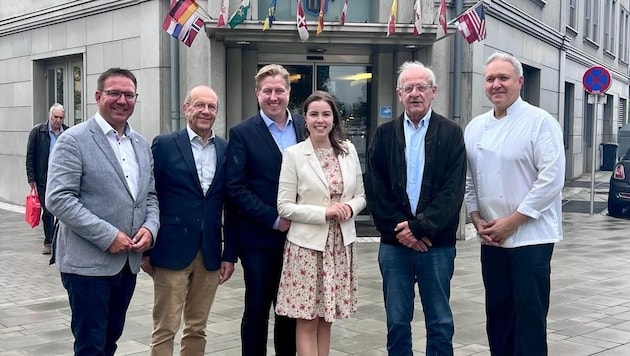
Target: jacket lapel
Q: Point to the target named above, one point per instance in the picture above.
(182, 141)
(313, 162)
(263, 130)
(106, 148)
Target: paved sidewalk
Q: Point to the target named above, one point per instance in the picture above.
(589, 314)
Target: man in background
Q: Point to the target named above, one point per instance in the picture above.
(41, 141)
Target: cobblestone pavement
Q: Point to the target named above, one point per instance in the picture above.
(589, 314)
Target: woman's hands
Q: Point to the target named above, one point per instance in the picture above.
(338, 211)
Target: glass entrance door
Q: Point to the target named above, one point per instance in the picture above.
(350, 85)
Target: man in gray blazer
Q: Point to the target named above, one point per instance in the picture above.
(101, 188)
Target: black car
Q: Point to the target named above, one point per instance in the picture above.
(619, 193)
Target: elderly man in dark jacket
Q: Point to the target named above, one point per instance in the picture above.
(415, 184)
(41, 141)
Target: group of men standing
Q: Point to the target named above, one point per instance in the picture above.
(184, 208)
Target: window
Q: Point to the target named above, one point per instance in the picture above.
(609, 25)
(569, 92)
(531, 88)
(572, 11)
(62, 81)
(624, 28)
(621, 116)
(591, 20)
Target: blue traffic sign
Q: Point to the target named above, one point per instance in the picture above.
(596, 80)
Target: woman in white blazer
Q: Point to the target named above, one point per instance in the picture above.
(320, 191)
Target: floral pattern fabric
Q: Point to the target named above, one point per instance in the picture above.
(320, 283)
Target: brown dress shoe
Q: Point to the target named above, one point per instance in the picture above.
(46, 250)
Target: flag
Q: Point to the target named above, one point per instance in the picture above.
(195, 25)
(224, 9)
(240, 14)
(391, 24)
(183, 32)
(182, 10)
(301, 22)
(417, 24)
(442, 15)
(270, 15)
(344, 11)
(320, 20)
(472, 24)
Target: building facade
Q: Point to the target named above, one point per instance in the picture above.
(53, 51)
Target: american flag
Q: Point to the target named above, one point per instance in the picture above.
(472, 24)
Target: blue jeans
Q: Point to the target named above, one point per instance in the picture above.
(99, 306)
(517, 282)
(402, 268)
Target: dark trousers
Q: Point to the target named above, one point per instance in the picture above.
(48, 220)
(517, 282)
(262, 269)
(99, 306)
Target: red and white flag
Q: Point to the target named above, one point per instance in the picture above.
(472, 24)
(301, 22)
(344, 11)
(417, 23)
(442, 15)
(223, 13)
(391, 24)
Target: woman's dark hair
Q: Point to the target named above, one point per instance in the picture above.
(336, 135)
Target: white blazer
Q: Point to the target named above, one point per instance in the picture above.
(303, 195)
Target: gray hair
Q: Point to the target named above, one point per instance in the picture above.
(55, 107)
(414, 65)
(498, 56)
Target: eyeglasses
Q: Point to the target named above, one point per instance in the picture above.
(408, 89)
(212, 107)
(115, 94)
(58, 117)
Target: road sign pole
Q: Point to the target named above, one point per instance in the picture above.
(595, 110)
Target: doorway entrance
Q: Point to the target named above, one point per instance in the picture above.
(349, 84)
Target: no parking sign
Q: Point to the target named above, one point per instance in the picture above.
(596, 80)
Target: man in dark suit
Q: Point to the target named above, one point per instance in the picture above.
(191, 256)
(101, 188)
(253, 169)
(415, 184)
(41, 141)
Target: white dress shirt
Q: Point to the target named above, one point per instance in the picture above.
(205, 156)
(517, 163)
(124, 152)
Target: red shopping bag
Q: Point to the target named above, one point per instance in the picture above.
(33, 209)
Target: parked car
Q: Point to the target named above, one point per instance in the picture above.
(619, 192)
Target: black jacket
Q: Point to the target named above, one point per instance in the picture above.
(37, 152)
(443, 182)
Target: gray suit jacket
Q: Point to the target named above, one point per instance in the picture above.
(88, 193)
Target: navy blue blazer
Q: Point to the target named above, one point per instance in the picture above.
(253, 170)
(189, 219)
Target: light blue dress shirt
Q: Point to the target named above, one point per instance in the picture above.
(284, 137)
(415, 157)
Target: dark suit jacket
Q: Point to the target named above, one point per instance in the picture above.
(253, 170)
(37, 153)
(189, 220)
(443, 183)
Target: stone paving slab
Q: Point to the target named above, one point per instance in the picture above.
(589, 313)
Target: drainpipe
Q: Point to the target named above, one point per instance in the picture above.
(174, 51)
(457, 71)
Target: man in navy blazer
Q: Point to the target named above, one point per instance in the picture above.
(193, 253)
(253, 169)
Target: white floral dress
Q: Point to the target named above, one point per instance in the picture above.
(320, 284)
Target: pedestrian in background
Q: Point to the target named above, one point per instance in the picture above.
(514, 196)
(320, 192)
(41, 141)
(253, 167)
(101, 188)
(415, 184)
(194, 252)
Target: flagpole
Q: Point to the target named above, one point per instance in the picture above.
(465, 11)
(204, 13)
